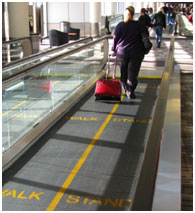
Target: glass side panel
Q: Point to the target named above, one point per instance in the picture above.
(25, 65)
(27, 101)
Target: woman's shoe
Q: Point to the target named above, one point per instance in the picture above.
(130, 95)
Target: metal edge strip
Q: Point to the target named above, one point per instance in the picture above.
(144, 188)
(167, 197)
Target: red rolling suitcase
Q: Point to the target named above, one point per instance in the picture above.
(108, 88)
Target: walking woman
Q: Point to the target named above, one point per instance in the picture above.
(159, 23)
(129, 50)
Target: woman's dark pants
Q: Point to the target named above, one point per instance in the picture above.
(159, 31)
(129, 67)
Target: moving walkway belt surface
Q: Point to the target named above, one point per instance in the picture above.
(88, 161)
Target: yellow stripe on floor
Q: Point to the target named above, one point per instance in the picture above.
(144, 76)
(13, 108)
(81, 161)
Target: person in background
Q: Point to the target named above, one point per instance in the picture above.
(176, 11)
(169, 13)
(190, 17)
(165, 8)
(129, 50)
(159, 23)
(150, 11)
(144, 18)
(171, 21)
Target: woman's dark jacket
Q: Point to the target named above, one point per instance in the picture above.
(159, 20)
(127, 39)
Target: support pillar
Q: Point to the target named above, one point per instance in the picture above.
(111, 8)
(95, 18)
(5, 22)
(35, 18)
(18, 19)
(45, 19)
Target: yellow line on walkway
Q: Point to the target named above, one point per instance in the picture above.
(147, 77)
(55, 82)
(13, 108)
(151, 77)
(81, 161)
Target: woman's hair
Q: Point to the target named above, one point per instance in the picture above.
(160, 9)
(130, 11)
(143, 10)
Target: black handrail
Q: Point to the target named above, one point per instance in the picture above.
(40, 54)
(13, 41)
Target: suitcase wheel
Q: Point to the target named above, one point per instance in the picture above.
(97, 97)
(118, 98)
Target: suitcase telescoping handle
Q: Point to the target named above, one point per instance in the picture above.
(108, 68)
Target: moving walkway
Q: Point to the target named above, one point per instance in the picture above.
(62, 150)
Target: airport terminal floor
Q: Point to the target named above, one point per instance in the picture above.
(91, 158)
